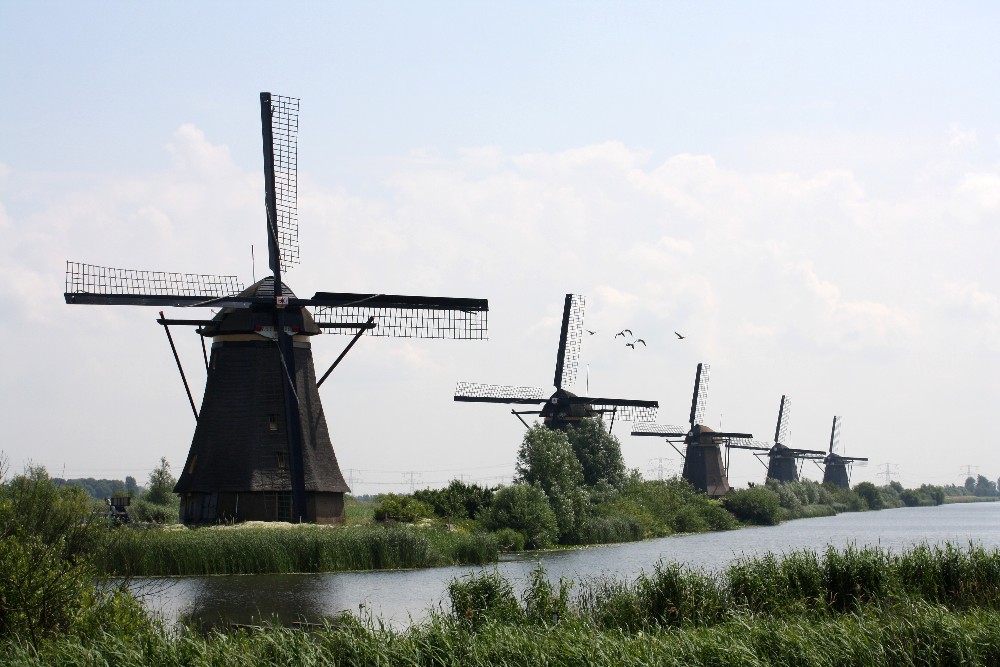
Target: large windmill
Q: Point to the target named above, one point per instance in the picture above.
(836, 467)
(261, 448)
(703, 463)
(783, 461)
(562, 408)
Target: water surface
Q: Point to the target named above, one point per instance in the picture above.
(398, 597)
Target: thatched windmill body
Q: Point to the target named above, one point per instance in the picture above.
(783, 462)
(261, 448)
(836, 466)
(562, 408)
(704, 466)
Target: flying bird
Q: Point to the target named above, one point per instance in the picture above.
(590, 332)
(622, 333)
(680, 337)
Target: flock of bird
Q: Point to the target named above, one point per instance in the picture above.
(635, 340)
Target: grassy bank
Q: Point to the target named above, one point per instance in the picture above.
(279, 548)
(927, 606)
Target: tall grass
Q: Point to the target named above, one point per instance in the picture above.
(306, 548)
(920, 634)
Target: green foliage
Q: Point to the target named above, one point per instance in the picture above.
(546, 458)
(148, 512)
(869, 495)
(598, 529)
(99, 489)
(477, 598)
(663, 507)
(757, 505)
(256, 549)
(526, 509)
(458, 500)
(49, 544)
(599, 453)
(406, 509)
(544, 605)
(509, 540)
(160, 489)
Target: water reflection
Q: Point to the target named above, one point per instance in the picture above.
(400, 597)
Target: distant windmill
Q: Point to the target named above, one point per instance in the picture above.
(562, 408)
(703, 463)
(836, 468)
(783, 461)
(261, 448)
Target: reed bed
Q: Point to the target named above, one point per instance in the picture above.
(926, 606)
(307, 548)
(917, 635)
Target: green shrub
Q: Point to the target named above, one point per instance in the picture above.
(509, 540)
(477, 598)
(405, 509)
(149, 512)
(50, 541)
(542, 603)
(869, 494)
(609, 530)
(757, 505)
(524, 508)
(458, 500)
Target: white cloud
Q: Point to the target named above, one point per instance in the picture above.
(960, 138)
(983, 187)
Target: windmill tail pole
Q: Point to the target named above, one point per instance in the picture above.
(357, 336)
(177, 360)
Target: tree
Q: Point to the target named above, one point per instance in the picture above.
(599, 453)
(131, 488)
(970, 484)
(547, 459)
(985, 487)
(160, 489)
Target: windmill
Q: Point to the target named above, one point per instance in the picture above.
(703, 464)
(783, 461)
(563, 408)
(836, 467)
(261, 449)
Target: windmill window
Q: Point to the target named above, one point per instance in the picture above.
(194, 460)
(272, 422)
(282, 461)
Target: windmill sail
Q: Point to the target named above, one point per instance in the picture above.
(103, 285)
(570, 336)
(699, 399)
(404, 316)
(279, 121)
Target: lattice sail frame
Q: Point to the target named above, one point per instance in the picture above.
(701, 397)
(662, 430)
(284, 147)
(407, 322)
(628, 413)
(92, 279)
(835, 435)
(500, 392)
(782, 431)
(574, 339)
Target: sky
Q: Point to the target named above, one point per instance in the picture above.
(810, 192)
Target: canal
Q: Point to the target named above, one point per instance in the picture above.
(400, 597)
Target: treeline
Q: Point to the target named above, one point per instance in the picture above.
(100, 489)
(572, 488)
(978, 486)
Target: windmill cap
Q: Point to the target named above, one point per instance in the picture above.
(249, 320)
